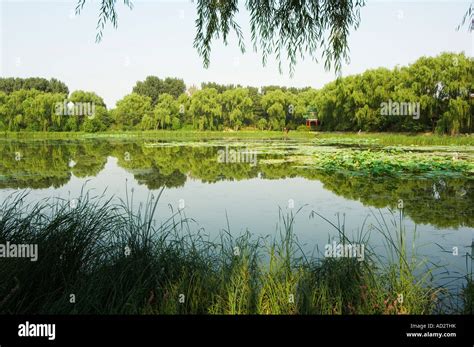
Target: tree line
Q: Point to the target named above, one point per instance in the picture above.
(432, 94)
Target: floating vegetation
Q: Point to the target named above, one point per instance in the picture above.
(392, 162)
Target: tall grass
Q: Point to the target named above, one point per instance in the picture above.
(111, 257)
(468, 289)
(408, 275)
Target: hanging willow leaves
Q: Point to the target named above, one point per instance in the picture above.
(287, 29)
(468, 18)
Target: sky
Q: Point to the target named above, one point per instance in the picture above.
(46, 39)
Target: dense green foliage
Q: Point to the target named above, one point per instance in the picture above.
(9, 85)
(441, 85)
(153, 87)
(432, 94)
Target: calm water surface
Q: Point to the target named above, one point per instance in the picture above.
(249, 194)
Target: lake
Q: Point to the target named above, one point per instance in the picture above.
(247, 185)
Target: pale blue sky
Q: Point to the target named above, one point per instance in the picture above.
(44, 38)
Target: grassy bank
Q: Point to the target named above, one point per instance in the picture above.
(402, 139)
(383, 139)
(101, 257)
(162, 134)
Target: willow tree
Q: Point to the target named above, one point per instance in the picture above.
(289, 29)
